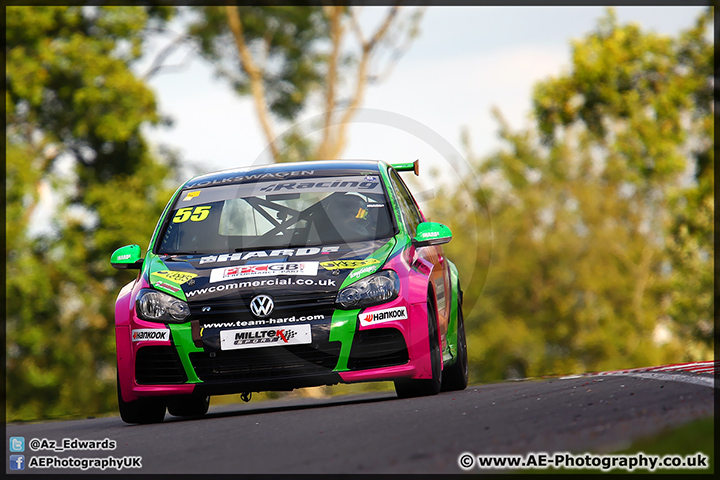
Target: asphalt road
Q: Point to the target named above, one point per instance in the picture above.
(379, 433)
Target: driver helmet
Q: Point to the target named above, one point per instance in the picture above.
(349, 214)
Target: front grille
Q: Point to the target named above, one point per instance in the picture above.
(158, 364)
(379, 347)
(238, 309)
(266, 363)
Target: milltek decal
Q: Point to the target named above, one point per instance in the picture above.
(260, 176)
(150, 334)
(176, 277)
(379, 316)
(341, 264)
(265, 337)
(299, 252)
(267, 269)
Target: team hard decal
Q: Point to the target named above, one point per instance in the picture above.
(263, 270)
(265, 337)
(159, 334)
(380, 316)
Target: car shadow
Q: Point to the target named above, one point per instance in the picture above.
(306, 404)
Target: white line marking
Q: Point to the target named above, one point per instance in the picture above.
(704, 381)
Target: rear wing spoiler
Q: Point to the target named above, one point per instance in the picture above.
(407, 167)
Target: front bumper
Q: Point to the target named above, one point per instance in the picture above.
(342, 351)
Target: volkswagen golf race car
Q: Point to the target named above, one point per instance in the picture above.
(285, 276)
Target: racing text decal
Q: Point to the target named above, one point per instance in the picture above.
(321, 186)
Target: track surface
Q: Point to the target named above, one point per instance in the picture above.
(379, 433)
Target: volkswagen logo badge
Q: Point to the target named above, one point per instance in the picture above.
(261, 306)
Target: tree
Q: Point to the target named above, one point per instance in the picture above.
(74, 112)
(653, 115)
(598, 260)
(286, 57)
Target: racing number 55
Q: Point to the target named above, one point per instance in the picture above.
(198, 214)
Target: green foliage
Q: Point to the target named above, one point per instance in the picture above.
(601, 251)
(592, 249)
(74, 116)
(689, 439)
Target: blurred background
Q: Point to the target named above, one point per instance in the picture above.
(569, 149)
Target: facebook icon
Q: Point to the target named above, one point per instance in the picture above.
(17, 462)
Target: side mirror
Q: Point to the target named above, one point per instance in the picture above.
(431, 233)
(127, 257)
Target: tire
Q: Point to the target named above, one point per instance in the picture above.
(408, 388)
(455, 376)
(143, 410)
(188, 405)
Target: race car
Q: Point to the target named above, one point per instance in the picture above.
(284, 276)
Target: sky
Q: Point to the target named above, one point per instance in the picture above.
(465, 61)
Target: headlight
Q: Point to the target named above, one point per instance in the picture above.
(158, 307)
(373, 290)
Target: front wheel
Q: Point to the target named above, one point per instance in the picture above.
(408, 388)
(143, 410)
(455, 376)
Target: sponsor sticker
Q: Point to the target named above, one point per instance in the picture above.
(124, 257)
(265, 337)
(288, 252)
(263, 270)
(160, 334)
(363, 271)
(380, 316)
(191, 195)
(166, 287)
(176, 277)
(240, 178)
(342, 264)
(346, 184)
(226, 287)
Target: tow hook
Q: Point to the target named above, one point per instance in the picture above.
(246, 396)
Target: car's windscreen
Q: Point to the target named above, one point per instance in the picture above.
(264, 215)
